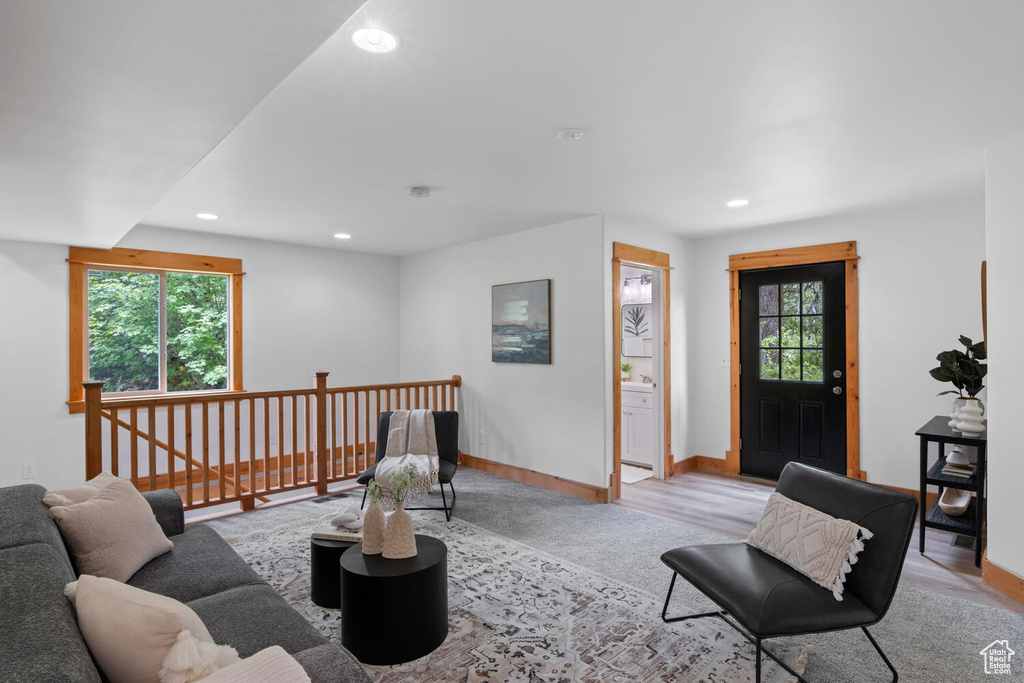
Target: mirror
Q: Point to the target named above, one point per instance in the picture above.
(636, 330)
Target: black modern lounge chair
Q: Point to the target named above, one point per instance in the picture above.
(762, 597)
(446, 430)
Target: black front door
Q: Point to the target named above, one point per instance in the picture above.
(793, 368)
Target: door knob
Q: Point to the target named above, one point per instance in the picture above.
(837, 390)
(837, 373)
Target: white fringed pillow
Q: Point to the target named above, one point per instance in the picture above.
(817, 545)
(191, 659)
(131, 633)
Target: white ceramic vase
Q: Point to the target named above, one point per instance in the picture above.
(957, 456)
(373, 529)
(970, 423)
(399, 540)
(954, 417)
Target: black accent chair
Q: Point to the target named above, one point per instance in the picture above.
(446, 430)
(766, 598)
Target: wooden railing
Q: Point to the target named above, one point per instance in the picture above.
(242, 447)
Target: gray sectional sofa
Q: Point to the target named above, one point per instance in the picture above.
(39, 636)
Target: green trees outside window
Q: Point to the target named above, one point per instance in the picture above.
(126, 311)
(792, 331)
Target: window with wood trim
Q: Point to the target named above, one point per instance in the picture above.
(146, 322)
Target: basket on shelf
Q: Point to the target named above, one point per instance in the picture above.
(954, 502)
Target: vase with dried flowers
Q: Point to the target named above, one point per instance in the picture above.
(373, 523)
(399, 539)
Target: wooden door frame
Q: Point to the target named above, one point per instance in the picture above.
(654, 260)
(799, 256)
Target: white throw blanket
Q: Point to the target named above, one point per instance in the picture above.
(411, 441)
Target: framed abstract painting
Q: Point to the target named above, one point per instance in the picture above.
(521, 322)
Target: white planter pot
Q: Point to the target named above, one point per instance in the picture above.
(970, 423)
(954, 417)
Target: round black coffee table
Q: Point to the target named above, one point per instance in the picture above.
(324, 571)
(394, 611)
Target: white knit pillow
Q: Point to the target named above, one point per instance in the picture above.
(271, 664)
(817, 545)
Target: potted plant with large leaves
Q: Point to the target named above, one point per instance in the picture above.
(965, 371)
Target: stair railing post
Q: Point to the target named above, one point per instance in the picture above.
(321, 433)
(93, 428)
(456, 382)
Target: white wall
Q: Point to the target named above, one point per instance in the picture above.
(304, 310)
(34, 421)
(1004, 178)
(548, 418)
(681, 313)
(919, 290)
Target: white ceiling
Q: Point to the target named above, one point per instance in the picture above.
(807, 108)
(106, 104)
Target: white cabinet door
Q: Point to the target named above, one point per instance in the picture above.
(637, 428)
(640, 435)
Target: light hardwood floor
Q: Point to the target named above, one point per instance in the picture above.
(731, 505)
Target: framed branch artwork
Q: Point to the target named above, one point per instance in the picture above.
(521, 322)
(636, 330)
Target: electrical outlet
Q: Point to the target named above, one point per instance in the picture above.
(273, 438)
(28, 471)
(480, 438)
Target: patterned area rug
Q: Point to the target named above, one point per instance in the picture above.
(515, 613)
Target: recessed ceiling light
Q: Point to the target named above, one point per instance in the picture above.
(569, 134)
(736, 203)
(419, 191)
(342, 236)
(375, 39)
(207, 216)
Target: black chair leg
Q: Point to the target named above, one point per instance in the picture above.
(665, 609)
(724, 616)
(757, 661)
(448, 508)
(895, 675)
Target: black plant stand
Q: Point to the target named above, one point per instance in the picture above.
(972, 522)
(394, 611)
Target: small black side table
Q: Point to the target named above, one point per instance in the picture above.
(324, 571)
(971, 523)
(394, 611)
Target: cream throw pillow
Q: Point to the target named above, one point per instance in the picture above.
(130, 631)
(113, 533)
(80, 493)
(817, 545)
(271, 664)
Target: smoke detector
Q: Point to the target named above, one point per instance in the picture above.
(569, 134)
(419, 191)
